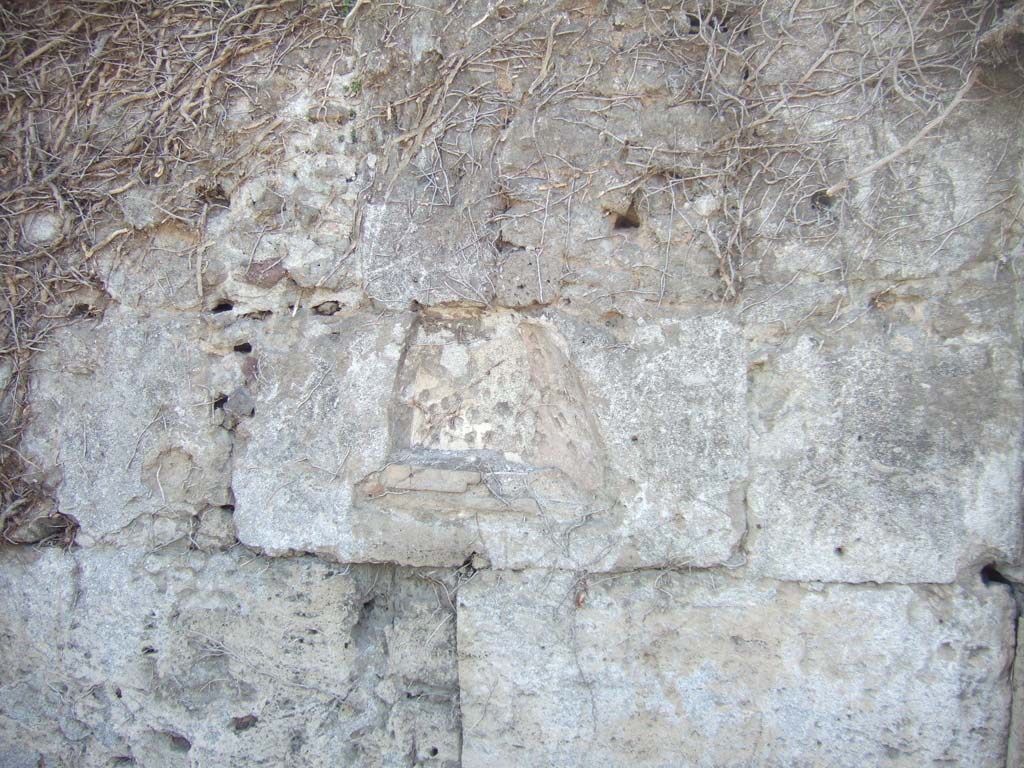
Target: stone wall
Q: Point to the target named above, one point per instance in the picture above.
(585, 383)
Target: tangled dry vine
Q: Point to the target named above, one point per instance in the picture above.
(100, 97)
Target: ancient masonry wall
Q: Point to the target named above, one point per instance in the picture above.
(545, 384)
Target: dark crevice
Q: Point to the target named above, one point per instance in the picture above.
(327, 308)
(628, 220)
(822, 200)
(32, 525)
(179, 743)
(243, 723)
(213, 195)
(991, 575)
(503, 246)
(83, 310)
(713, 21)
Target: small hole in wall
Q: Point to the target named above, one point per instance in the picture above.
(628, 220)
(713, 21)
(148, 650)
(117, 692)
(222, 306)
(179, 743)
(243, 723)
(213, 195)
(501, 245)
(991, 575)
(432, 752)
(82, 310)
(327, 308)
(228, 507)
(839, 551)
(822, 200)
(244, 348)
(58, 529)
(219, 402)
(634, 439)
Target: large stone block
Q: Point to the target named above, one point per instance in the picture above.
(179, 659)
(124, 424)
(36, 599)
(660, 669)
(885, 457)
(527, 438)
(320, 425)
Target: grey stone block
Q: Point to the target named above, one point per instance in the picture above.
(885, 458)
(124, 424)
(191, 659)
(526, 438)
(656, 669)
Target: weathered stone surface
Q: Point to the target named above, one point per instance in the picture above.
(422, 250)
(216, 529)
(652, 669)
(678, 315)
(36, 595)
(42, 228)
(124, 423)
(885, 457)
(671, 402)
(1015, 748)
(320, 425)
(185, 659)
(527, 438)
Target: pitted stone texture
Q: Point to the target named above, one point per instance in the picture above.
(475, 381)
(322, 395)
(651, 669)
(885, 458)
(529, 439)
(124, 424)
(179, 659)
(524, 202)
(271, 234)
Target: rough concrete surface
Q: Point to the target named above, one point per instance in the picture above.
(183, 658)
(657, 669)
(497, 383)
